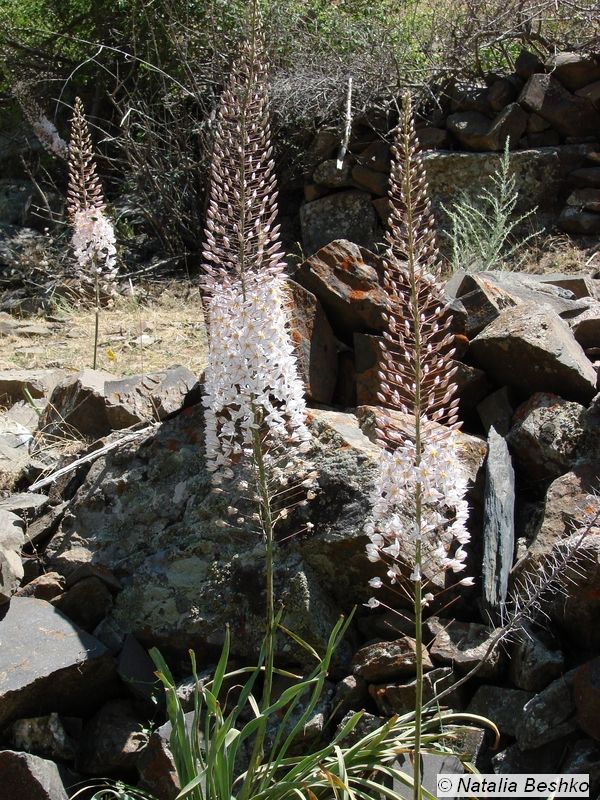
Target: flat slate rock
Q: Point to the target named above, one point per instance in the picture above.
(23, 503)
(47, 663)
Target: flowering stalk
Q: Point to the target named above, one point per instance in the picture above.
(93, 233)
(418, 501)
(44, 129)
(254, 403)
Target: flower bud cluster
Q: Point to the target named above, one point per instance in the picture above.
(44, 129)
(251, 380)
(93, 240)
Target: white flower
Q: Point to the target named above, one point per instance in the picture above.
(94, 241)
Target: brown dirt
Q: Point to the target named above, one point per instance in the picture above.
(170, 319)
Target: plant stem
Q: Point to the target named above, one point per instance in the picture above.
(97, 323)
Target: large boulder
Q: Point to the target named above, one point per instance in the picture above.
(475, 131)
(574, 70)
(569, 114)
(47, 663)
(37, 382)
(531, 348)
(346, 279)
(29, 777)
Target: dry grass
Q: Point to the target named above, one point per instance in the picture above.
(169, 318)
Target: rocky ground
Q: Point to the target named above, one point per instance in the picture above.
(121, 552)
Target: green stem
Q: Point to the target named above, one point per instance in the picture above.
(97, 325)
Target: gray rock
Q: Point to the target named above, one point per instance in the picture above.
(586, 326)
(532, 349)
(25, 504)
(397, 698)
(43, 736)
(44, 587)
(137, 671)
(38, 382)
(546, 435)
(384, 661)
(92, 403)
(498, 522)
(376, 156)
(351, 694)
(47, 663)
(591, 92)
(432, 765)
(111, 740)
(583, 758)
(346, 280)
(574, 220)
(549, 715)
(586, 682)
(314, 343)
(586, 199)
(514, 761)
(370, 180)
(86, 603)
(586, 177)
(574, 70)
(576, 614)
(504, 706)
(327, 174)
(535, 661)
(496, 410)
(582, 286)
(475, 131)
(464, 645)
(156, 764)
(29, 777)
(11, 541)
(568, 114)
(527, 64)
(344, 215)
(182, 574)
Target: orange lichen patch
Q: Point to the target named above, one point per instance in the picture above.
(296, 337)
(357, 294)
(346, 264)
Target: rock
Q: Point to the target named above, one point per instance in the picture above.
(581, 286)
(537, 124)
(45, 587)
(472, 386)
(384, 661)
(328, 175)
(92, 403)
(44, 526)
(583, 758)
(503, 706)
(549, 715)
(584, 223)
(351, 694)
(86, 603)
(539, 178)
(29, 777)
(500, 93)
(432, 138)
(25, 504)
(367, 363)
(586, 691)
(577, 612)
(586, 177)
(38, 382)
(586, 326)
(532, 349)
(346, 280)
(137, 671)
(535, 661)
(156, 764)
(376, 156)
(12, 539)
(591, 92)
(43, 736)
(324, 146)
(527, 64)
(344, 215)
(574, 70)
(314, 343)
(47, 663)
(514, 761)
(393, 699)
(111, 740)
(345, 389)
(463, 645)
(567, 507)
(568, 114)
(545, 436)
(496, 410)
(370, 180)
(475, 131)
(432, 765)
(587, 199)
(184, 577)
(466, 97)
(387, 625)
(498, 522)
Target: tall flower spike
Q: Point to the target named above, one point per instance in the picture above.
(252, 368)
(93, 233)
(419, 511)
(44, 129)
